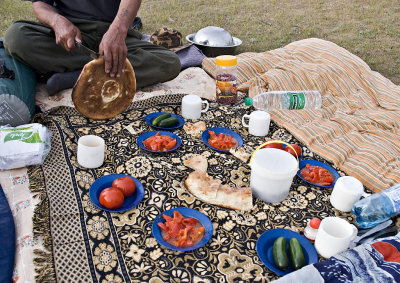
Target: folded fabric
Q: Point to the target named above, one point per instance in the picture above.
(190, 57)
(7, 239)
(376, 262)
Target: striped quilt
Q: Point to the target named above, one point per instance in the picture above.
(358, 125)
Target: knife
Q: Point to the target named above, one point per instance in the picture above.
(89, 51)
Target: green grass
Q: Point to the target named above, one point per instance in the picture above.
(367, 28)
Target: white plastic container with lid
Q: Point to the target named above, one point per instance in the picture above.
(272, 172)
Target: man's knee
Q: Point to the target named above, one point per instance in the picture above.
(174, 67)
(15, 41)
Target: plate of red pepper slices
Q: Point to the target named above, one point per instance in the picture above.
(205, 136)
(186, 213)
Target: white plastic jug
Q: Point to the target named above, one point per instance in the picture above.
(272, 172)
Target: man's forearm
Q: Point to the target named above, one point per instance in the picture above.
(45, 13)
(126, 14)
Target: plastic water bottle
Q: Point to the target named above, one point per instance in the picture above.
(377, 208)
(304, 99)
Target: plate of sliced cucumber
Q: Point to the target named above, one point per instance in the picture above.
(164, 121)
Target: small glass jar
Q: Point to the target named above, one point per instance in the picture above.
(225, 76)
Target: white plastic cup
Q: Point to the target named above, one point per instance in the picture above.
(272, 172)
(192, 106)
(258, 123)
(90, 151)
(346, 192)
(334, 236)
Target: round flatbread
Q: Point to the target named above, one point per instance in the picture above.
(98, 96)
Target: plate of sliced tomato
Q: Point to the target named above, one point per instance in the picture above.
(317, 173)
(107, 181)
(159, 141)
(221, 139)
(182, 229)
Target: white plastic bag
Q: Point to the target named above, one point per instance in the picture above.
(23, 145)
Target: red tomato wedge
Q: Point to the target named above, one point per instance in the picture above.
(221, 141)
(317, 175)
(159, 142)
(180, 231)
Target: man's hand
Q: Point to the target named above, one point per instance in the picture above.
(114, 49)
(66, 33)
(113, 45)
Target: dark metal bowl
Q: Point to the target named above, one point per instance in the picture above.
(214, 51)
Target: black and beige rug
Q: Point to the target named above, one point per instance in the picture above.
(87, 244)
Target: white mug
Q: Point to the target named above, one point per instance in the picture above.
(334, 236)
(192, 106)
(258, 123)
(346, 192)
(90, 151)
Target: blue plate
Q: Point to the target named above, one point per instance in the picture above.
(266, 242)
(205, 136)
(144, 136)
(106, 182)
(186, 212)
(149, 118)
(312, 162)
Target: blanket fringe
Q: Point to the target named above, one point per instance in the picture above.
(44, 260)
(44, 266)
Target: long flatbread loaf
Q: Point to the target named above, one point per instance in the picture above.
(211, 190)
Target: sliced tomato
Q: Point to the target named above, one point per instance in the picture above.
(171, 144)
(162, 226)
(190, 221)
(181, 231)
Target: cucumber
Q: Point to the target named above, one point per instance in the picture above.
(296, 254)
(279, 252)
(156, 121)
(168, 122)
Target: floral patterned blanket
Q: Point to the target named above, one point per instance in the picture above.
(87, 244)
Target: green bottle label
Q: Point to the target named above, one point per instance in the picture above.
(297, 100)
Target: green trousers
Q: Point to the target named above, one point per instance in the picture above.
(34, 44)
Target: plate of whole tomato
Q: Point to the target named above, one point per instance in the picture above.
(182, 229)
(159, 141)
(116, 192)
(221, 139)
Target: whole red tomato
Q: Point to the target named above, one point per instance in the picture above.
(111, 198)
(126, 185)
(273, 145)
(296, 148)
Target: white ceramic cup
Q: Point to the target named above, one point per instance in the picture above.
(192, 106)
(334, 236)
(258, 123)
(346, 192)
(90, 151)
